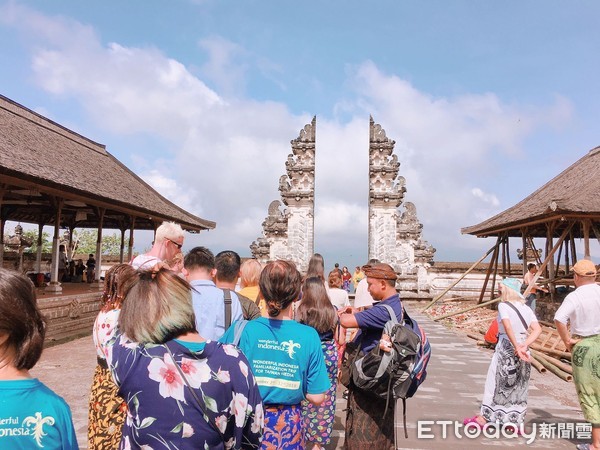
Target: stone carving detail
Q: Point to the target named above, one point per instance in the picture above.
(290, 233)
(74, 309)
(394, 235)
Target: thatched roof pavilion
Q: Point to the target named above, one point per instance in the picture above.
(573, 194)
(50, 175)
(566, 208)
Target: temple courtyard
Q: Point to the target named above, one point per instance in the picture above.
(452, 391)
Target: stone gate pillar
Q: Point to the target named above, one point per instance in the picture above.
(289, 233)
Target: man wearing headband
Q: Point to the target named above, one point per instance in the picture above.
(365, 426)
(582, 309)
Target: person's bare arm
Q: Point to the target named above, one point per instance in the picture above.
(315, 399)
(347, 318)
(564, 335)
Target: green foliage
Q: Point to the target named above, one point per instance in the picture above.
(33, 235)
(83, 239)
(85, 242)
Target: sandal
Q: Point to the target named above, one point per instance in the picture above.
(473, 420)
(583, 447)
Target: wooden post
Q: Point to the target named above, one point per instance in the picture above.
(122, 247)
(54, 285)
(524, 237)
(495, 270)
(596, 231)
(130, 246)
(586, 238)
(40, 243)
(489, 271)
(504, 250)
(100, 213)
(550, 227)
(461, 277)
(508, 254)
(548, 258)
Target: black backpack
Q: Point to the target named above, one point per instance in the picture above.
(399, 373)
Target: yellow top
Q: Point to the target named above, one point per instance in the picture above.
(252, 293)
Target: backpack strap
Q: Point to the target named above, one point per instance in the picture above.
(518, 314)
(237, 331)
(227, 301)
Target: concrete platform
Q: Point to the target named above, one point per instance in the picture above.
(452, 391)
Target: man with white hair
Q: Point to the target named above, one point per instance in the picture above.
(167, 244)
(582, 309)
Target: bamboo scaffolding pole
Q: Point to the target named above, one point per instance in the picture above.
(460, 278)
(495, 263)
(558, 363)
(551, 351)
(456, 299)
(527, 291)
(491, 265)
(538, 365)
(552, 368)
(547, 260)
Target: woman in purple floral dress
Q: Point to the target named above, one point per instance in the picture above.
(182, 392)
(317, 311)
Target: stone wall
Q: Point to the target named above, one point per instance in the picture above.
(69, 316)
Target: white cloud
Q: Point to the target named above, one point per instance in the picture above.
(225, 154)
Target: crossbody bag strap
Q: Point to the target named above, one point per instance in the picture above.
(200, 404)
(518, 314)
(227, 300)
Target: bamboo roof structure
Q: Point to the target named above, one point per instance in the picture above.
(571, 195)
(45, 166)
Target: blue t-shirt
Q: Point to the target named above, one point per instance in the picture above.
(33, 416)
(371, 321)
(286, 359)
(209, 309)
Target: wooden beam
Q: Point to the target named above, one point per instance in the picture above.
(461, 277)
(548, 258)
(586, 238)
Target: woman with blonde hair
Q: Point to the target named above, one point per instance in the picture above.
(107, 411)
(317, 312)
(506, 386)
(181, 391)
(286, 358)
(249, 274)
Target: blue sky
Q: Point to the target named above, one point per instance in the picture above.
(486, 102)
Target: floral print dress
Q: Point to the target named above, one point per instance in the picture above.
(163, 414)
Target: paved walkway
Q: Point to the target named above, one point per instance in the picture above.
(453, 391)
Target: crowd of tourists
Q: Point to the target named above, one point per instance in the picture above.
(202, 351)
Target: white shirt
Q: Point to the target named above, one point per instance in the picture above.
(338, 297)
(582, 308)
(362, 297)
(144, 262)
(506, 312)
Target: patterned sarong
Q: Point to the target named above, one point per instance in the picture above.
(318, 420)
(586, 376)
(106, 413)
(506, 386)
(283, 428)
(365, 426)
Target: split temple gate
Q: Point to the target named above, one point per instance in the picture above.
(394, 235)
